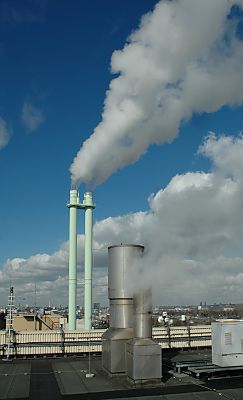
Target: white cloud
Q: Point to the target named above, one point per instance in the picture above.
(192, 234)
(4, 134)
(229, 162)
(32, 116)
(185, 58)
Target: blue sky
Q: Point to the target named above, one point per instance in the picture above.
(55, 64)
(58, 60)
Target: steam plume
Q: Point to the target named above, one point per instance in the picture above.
(186, 57)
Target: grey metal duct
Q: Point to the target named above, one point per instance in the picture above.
(143, 314)
(143, 354)
(122, 260)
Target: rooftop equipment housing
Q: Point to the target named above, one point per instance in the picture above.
(122, 260)
(227, 343)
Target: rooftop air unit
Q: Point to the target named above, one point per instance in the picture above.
(227, 343)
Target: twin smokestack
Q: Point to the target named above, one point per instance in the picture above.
(88, 206)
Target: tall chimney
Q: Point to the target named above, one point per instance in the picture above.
(72, 301)
(88, 206)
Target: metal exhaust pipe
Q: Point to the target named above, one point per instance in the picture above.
(142, 301)
(122, 259)
(143, 354)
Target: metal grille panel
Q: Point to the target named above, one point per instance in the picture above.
(228, 338)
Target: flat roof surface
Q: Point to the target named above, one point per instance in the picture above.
(65, 378)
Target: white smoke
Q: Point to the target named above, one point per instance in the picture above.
(192, 232)
(185, 58)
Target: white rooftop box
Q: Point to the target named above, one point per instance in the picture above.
(227, 343)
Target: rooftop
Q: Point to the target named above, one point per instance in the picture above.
(65, 378)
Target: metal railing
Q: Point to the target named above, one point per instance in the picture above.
(59, 342)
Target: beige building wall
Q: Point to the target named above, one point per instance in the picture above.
(28, 323)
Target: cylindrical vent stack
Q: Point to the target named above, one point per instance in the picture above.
(72, 302)
(88, 206)
(143, 314)
(143, 354)
(123, 260)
